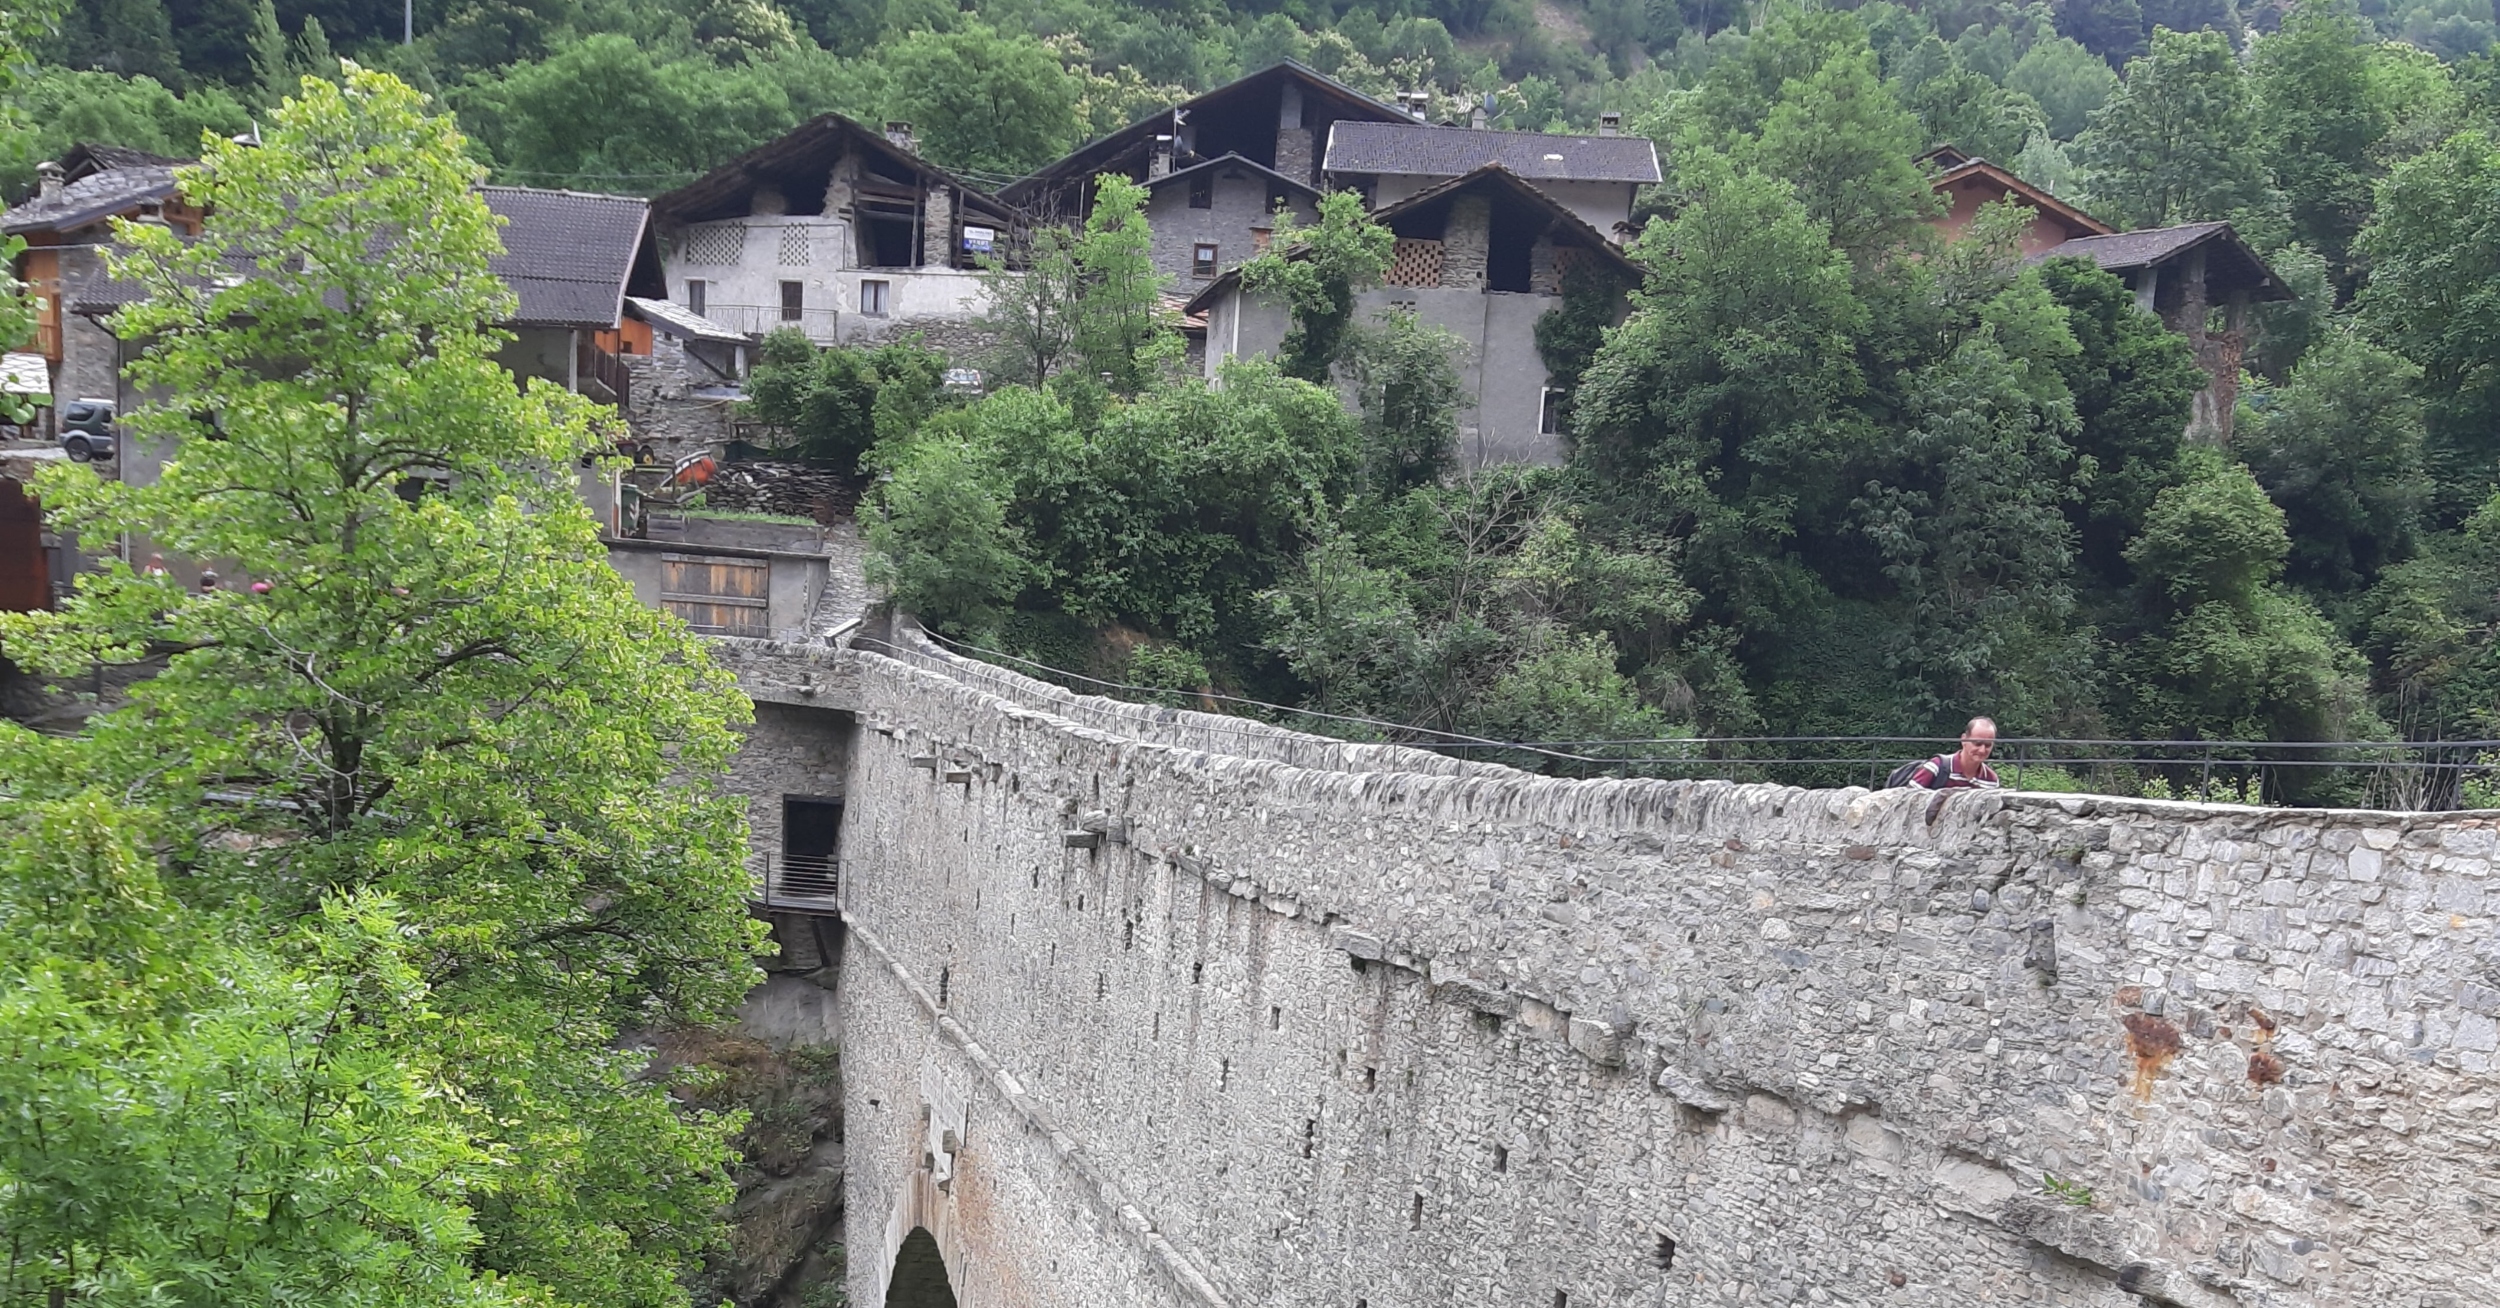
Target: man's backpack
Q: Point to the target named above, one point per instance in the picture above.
(1904, 775)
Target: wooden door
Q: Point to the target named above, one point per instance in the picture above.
(718, 596)
(25, 574)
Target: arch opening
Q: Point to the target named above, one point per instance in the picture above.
(919, 1279)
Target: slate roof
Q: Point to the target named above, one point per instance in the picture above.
(1235, 161)
(91, 199)
(678, 320)
(2230, 264)
(82, 159)
(567, 254)
(1421, 150)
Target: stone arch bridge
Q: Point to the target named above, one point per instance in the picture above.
(1151, 1007)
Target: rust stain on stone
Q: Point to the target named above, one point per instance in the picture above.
(2264, 1021)
(2128, 997)
(2264, 1068)
(1735, 846)
(2153, 1042)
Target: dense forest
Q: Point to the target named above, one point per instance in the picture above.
(1830, 478)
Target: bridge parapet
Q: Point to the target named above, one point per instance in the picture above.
(1309, 1027)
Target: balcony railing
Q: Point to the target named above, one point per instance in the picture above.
(604, 375)
(805, 883)
(757, 319)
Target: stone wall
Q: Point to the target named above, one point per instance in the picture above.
(1246, 1026)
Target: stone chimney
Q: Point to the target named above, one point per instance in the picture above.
(1418, 105)
(48, 180)
(937, 228)
(1296, 155)
(1159, 157)
(898, 134)
(1610, 123)
(1481, 116)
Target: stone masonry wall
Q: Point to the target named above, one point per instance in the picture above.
(1266, 1033)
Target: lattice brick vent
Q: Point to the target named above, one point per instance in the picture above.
(1564, 257)
(793, 247)
(717, 244)
(1415, 263)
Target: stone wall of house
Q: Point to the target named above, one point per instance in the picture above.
(1466, 243)
(1141, 1006)
(662, 407)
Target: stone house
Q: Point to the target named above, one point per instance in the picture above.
(2200, 279)
(841, 232)
(1597, 177)
(1483, 256)
(67, 223)
(1262, 132)
(688, 375)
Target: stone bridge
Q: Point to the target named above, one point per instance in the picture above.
(1148, 1007)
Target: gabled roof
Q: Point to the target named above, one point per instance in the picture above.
(83, 159)
(1093, 156)
(1973, 169)
(811, 145)
(2229, 262)
(678, 320)
(567, 254)
(1488, 177)
(95, 196)
(1232, 161)
(1417, 149)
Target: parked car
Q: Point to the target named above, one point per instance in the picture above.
(87, 430)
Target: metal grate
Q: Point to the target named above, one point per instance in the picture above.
(803, 876)
(714, 244)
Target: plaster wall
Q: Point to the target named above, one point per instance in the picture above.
(791, 589)
(1500, 370)
(746, 295)
(1288, 1024)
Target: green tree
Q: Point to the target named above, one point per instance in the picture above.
(198, 1116)
(2133, 382)
(939, 543)
(2068, 82)
(2317, 123)
(1846, 144)
(839, 402)
(2433, 245)
(1405, 379)
(445, 696)
(1123, 330)
(2176, 144)
(1317, 270)
(982, 99)
(2339, 448)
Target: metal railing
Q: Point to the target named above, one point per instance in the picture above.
(806, 882)
(757, 319)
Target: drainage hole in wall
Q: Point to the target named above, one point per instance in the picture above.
(1310, 1135)
(1276, 1019)
(1224, 1075)
(1080, 903)
(1415, 1215)
(1371, 1078)
(1128, 935)
(1666, 1252)
(1197, 973)
(1356, 961)
(946, 977)
(1501, 1159)
(1102, 986)
(1562, 1299)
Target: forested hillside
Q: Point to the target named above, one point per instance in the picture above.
(636, 95)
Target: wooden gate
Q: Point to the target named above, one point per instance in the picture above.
(718, 596)
(25, 573)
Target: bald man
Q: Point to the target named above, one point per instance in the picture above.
(1965, 768)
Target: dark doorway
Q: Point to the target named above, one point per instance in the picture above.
(25, 573)
(811, 847)
(919, 1274)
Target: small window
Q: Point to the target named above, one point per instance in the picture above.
(695, 287)
(793, 301)
(1202, 260)
(872, 297)
(1202, 191)
(1550, 419)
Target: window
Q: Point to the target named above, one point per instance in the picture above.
(1550, 419)
(872, 297)
(1202, 191)
(793, 300)
(1202, 259)
(695, 287)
